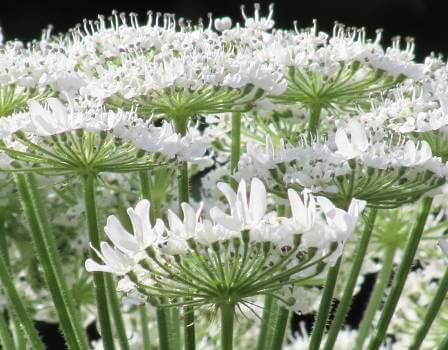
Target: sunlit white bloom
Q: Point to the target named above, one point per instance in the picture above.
(144, 234)
(244, 214)
(114, 261)
(416, 155)
(190, 227)
(223, 23)
(357, 144)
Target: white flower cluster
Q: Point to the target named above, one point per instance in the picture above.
(317, 165)
(57, 119)
(315, 219)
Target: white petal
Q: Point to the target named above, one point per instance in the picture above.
(121, 238)
(257, 203)
(93, 266)
(229, 193)
(343, 144)
(358, 135)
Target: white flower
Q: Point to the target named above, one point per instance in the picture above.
(144, 234)
(357, 144)
(190, 227)
(53, 121)
(114, 261)
(416, 155)
(303, 212)
(223, 23)
(244, 214)
(343, 222)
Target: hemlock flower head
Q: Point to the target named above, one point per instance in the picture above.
(374, 165)
(62, 140)
(235, 257)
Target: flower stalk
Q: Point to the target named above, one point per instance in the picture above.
(431, 313)
(46, 251)
(19, 309)
(325, 306)
(168, 332)
(6, 340)
(114, 306)
(236, 145)
(346, 299)
(376, 297)
(402, 273)
(88, 182)
(183, 183)
(227, 315)
(281, 324)
(268, 312)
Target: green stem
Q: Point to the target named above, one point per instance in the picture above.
(182, 174)
(346, 299)
(189, 331)
(167, 331)
(162, 327)
(116, 312)
(6, 340)
(99, 281)
(325, 306)
(47, 253)
(402, 273)
(3, 242)
(227, 315)
(376, 297)
(184, 197)
(145, 185)
(174, 328)
(280, 328)
(18, 308)
(314, 121)
(444, 344)
(236, 146)
(144, 321)
(268, 311)
(18, 333)
(431, 313)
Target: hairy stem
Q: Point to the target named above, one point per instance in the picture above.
(184, 197)
(314, 121)
(266, 321)
(325, 306)
(227, 315)
(402, 274)
(346, 299)
(444, 344)
(116, 312)
(18, 308)
(144, 322)
(376, 297)
(236, 145)
(46, 251)
(6, 341)
(431, 313)
(168, 333)
(99, 280)
(281, 323)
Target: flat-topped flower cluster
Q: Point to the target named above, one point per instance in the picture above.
(154, 260)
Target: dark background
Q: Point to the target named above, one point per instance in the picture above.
(425, 20)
